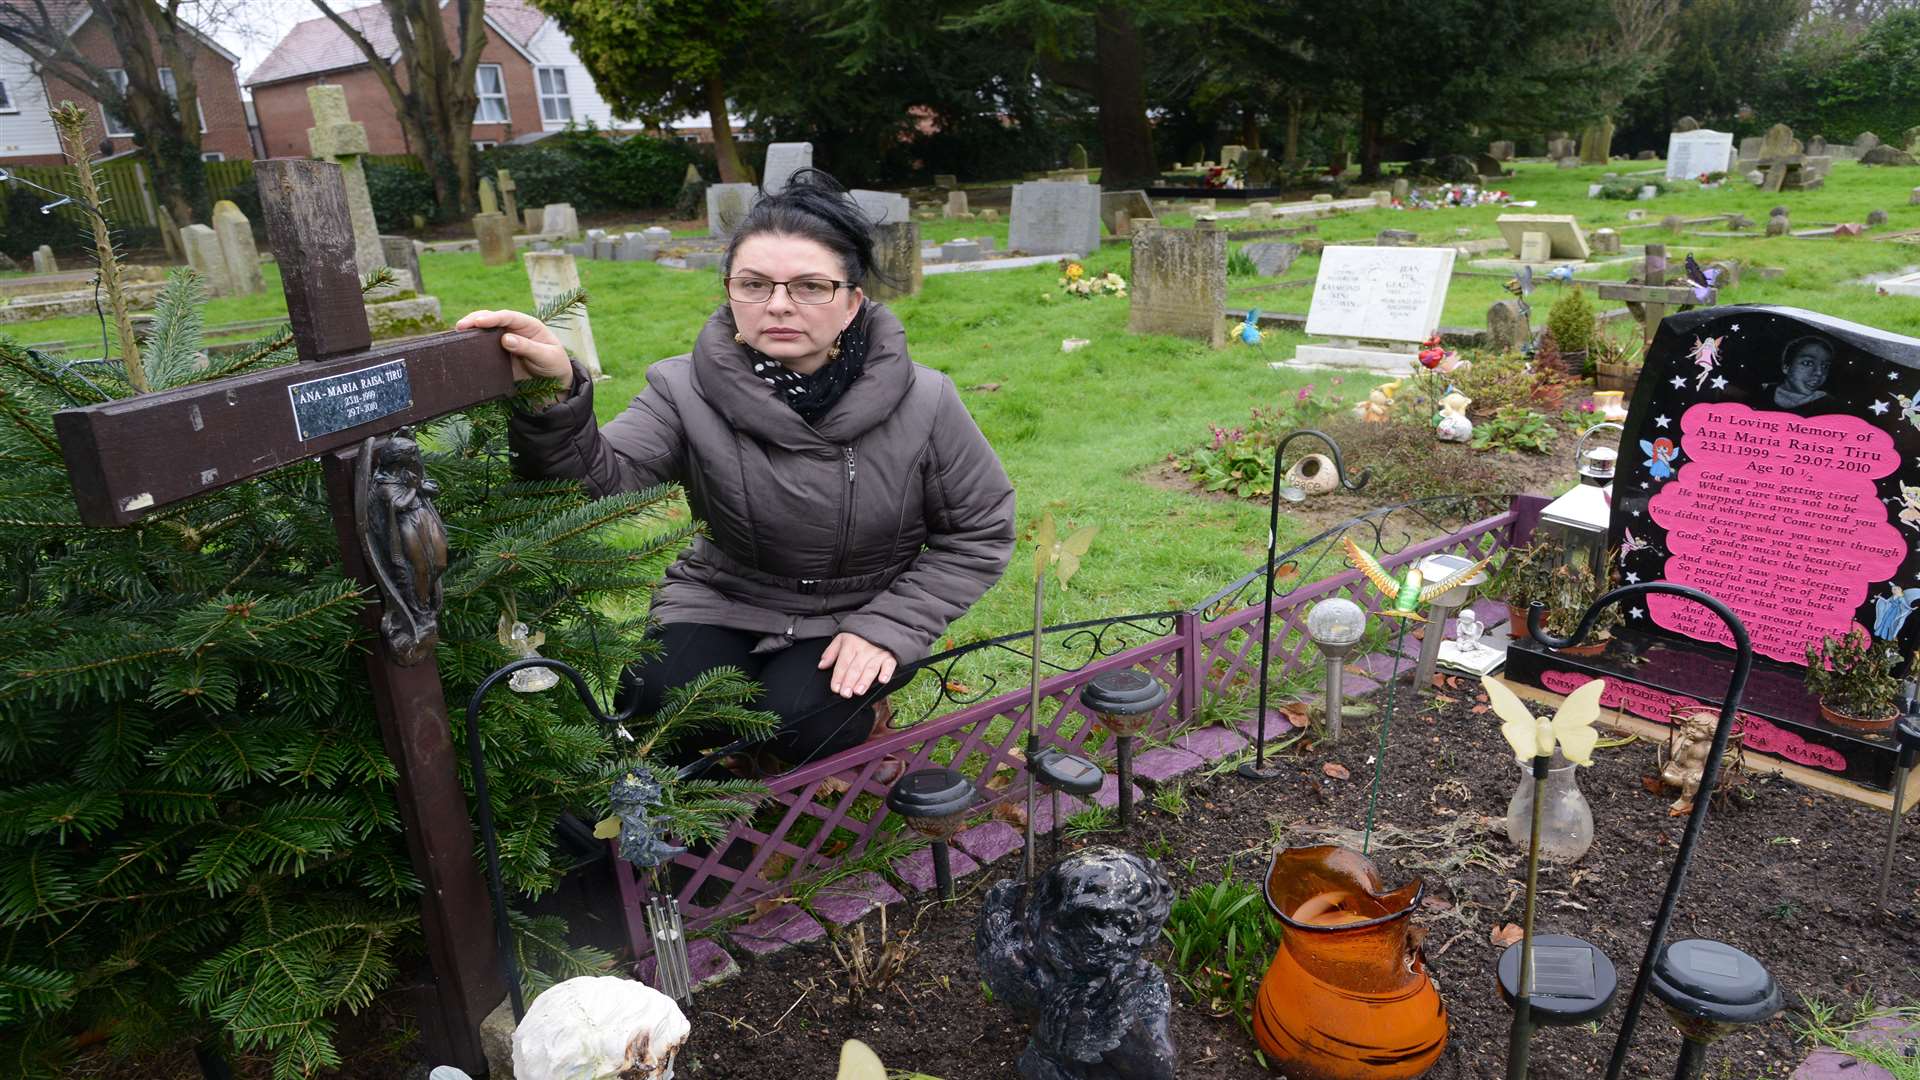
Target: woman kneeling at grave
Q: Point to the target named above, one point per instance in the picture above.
(853, 509)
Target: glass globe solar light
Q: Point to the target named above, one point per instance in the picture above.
(1335, 625)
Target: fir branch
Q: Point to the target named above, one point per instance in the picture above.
(176, 338)
(566, 305)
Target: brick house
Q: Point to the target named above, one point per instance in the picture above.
(27, 136)
(529, 79)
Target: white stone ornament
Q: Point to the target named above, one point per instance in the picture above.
(599, 1028)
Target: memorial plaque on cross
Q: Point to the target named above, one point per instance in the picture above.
(1649, 297)
(132, 457)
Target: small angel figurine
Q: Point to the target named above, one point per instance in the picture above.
(515, 638)
(1467, 632)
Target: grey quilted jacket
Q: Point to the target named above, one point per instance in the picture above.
(886, 518)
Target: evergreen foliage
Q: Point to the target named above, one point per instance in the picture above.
(198, 831)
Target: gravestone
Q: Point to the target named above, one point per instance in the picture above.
(1817, 146)
(558, 219)
(960, 251)
(1876, 218)
(1886, 155)
(946, 180)
(1500, 150)
(1179, 283)
(1913, 197)
(552, 274)
(1535, 247)
(495, 234)
(237, 248)
(1485, 165)
(989, 214)
(635, 247)
(783, 160)
(403, 258)
(956, 204)
(205, 256)
(1686, 124)
(882, 207)
(1270, 257)
(1402, 187)
(1605, 242)
(1779, 142)
(1396, 238)
(1562, 148)
(1778, 225)
(1694, 153)
(896, 261)
(1508, 329)
(1055, 218)
(1865, 141)
(1750, 147)
(335, 137)
(1772, 460)
(727, 206)
(536, 218)
(1231, 153)
(1133, 203)
(1373, 294)
(170, 235)
(489, 201)
(1565, 238)
(509, 205)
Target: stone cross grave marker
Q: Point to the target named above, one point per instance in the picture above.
(1376, 294)
(509, 205)
(552, 273)
(1770, 461)
(1648, 299)
(335, 137)
(1691, 153)
(1179, 283)
(132, 457)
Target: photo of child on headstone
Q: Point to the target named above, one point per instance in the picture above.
(1804, 366)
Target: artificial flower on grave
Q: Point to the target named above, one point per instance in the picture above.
(1432, 353)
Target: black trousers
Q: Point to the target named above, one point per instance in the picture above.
(815, 722)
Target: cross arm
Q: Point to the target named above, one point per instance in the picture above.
(131, 457)
(1647, 294)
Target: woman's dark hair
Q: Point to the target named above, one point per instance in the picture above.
(815, 206)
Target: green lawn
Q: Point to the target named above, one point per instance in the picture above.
(1077, 431)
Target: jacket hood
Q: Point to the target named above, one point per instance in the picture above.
(723, 372)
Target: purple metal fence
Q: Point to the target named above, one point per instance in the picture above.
(830, 812)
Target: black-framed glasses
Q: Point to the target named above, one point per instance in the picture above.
(758, 290)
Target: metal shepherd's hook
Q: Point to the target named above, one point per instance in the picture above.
(1709, 776)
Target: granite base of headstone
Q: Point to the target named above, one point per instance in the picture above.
(1179, 283)
(897, 267)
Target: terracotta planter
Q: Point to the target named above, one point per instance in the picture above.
(1622, 377)
(1854, 723)
(1517, 622)
(1591, 648)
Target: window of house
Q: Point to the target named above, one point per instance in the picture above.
(484, 144)
(554, 102)
(213, 155)
(491, 81)
(6, 100)
(118, 128)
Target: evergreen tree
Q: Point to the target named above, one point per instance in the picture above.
(198, 836)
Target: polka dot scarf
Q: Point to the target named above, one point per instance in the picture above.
(812, 395)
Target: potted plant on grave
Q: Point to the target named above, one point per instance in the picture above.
(1616, 362)
(1853, 678)
(1524, 576)
(1571, 589)
(1571, 321)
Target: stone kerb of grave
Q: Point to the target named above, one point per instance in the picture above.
(1374, 294)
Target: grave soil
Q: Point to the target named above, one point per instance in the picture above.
(1782, 872)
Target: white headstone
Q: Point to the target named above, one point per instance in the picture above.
(558, 219)
(1055, 218)
(237, 247)
(552, 273)
(204, 255)
(1691, 153)
(1380, 294)
(883, 207)
(727, 206)
(783, 160)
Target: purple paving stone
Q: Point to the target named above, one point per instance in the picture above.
(778, 929)
(1214, 743)
(990, 841)
(917, 869)
(1108, 795)
(1411, 645)
(1165, 763)
(849, 899)
(1378, 666)
(1828, 1064)
(1356, 686)
(708, 962)
(1043, 808)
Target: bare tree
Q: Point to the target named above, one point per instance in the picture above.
(436, 105)
(148, 36)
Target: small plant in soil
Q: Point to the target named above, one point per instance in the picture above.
(1571, 320)
(871, 968)
(1221, 936)
(1515, 428)
(1172, 799)
(1088, 821)
(1853, 675)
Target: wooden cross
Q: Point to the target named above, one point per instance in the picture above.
(131, 457)
(1648, 299)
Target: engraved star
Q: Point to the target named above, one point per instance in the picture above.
(1679, 382)
(1643, 483)
(1660, 421)
(1735, 328)
(1633, 579)
(1637, 613)
(1719, 383)
(1892, 375)
(1879, 408)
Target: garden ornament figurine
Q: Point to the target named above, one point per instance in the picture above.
(1454, 426)
(1065, 953)
(599, 1028)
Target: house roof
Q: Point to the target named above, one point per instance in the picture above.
(75, 13)
(316, 45)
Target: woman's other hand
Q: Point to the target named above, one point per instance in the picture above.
(536, 352)
(857, 664)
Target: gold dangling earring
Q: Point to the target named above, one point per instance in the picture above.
(739, 338)
(833, 351)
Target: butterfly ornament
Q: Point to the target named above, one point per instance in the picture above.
(1409, 592)
(1571, 730)
(1705, 283)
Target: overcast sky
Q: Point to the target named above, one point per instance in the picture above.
(267, 21)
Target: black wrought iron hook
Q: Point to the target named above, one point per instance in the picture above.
(1339, 467)
(1709, 777)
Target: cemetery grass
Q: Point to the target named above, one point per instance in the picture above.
(1782, 872)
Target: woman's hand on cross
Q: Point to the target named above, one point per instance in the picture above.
(536, 352)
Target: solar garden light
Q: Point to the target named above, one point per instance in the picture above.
(1439, 568)
(934, 802)
(1335, 625)
(1057, 771)
(1125, 702)
(1710, 988)
(1908, 732)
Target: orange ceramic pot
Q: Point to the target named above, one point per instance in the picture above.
(1347, 996)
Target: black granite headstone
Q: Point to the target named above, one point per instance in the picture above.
(1771, 458)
